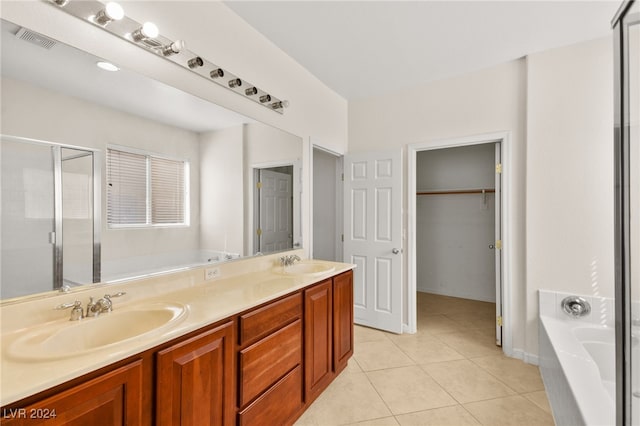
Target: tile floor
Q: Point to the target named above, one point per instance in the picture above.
(449, 373)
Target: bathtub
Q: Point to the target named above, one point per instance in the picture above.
(577, 362)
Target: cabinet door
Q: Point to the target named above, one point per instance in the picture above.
(342, 320)
(318, 337)
(195, 384)
(115, 398)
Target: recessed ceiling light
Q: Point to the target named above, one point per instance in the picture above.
(107, 66)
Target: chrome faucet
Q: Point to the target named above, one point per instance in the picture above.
(103, 305)
(76, 311)
(289, 260)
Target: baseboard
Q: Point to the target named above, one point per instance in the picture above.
(525, 356)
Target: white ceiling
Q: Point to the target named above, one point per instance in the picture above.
(365, 48)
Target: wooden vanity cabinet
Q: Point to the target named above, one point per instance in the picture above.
(113, 398)
(195, 380)
(270, 362)
(261, 367)
(342, 320)
(318, 342)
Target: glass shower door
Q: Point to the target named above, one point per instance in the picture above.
(632, 27)
(27, 224)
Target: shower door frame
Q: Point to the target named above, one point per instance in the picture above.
(622, 145)
(58, 239)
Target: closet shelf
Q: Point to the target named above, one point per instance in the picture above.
(457, 191)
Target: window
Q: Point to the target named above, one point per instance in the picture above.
(146, 190)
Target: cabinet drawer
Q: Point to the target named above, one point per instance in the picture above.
(265, 362)
(278, 404)
(262, 321)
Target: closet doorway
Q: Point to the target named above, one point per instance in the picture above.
(456, 211)
(327, 205)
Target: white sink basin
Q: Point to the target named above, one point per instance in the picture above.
(72, 338)
(309, 268)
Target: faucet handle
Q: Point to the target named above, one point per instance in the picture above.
(75, 304)
(118, 294)
(76, 312)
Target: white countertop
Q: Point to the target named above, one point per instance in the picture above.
(248, 283)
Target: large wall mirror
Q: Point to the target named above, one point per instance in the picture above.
(109, 175)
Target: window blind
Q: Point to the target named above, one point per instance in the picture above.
(126, 188)
(167, 191)
(144, 190)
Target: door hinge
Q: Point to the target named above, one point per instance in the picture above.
(499, 168)
(342, 238)
(499, 321)
(499, 244)
(259, 185)
(342, 177)
(259, 231)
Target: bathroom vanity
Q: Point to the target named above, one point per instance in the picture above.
(254, 348)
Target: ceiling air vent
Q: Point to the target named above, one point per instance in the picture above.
(35, 38)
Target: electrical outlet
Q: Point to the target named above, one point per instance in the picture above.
(211, 273)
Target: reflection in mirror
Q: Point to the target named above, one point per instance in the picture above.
(58, 98)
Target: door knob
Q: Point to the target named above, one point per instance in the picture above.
(396, 251)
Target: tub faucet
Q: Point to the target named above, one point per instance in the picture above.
(289, 260)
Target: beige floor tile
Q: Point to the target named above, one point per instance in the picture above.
(352, 366)
(465, 381)
(516, 374)
(424, 349)
(447, 416)
(350, 398)
(513, 410)
(475, 319)
(471, 343)
(540, 399)
(386, 421)
(435, 324)
(409, 389)
(366, 334)
(380, 354)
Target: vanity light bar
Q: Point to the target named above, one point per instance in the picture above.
(149, 38)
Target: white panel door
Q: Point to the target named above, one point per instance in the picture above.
(373, 236)
(276, 222)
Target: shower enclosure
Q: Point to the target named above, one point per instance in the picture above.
(50, 230)
(627, 149)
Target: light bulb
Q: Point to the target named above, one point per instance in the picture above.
(148, 30)
(280, 104)
(235, 83)
(218, 72)
(173, 48)
(111, 12)
(195, 62)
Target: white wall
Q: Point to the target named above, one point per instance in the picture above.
(486, 101)
(454, 231)
(222, 182)
(570, 196)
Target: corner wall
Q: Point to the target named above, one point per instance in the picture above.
(570, 186)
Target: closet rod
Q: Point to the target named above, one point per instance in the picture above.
(457, 191)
